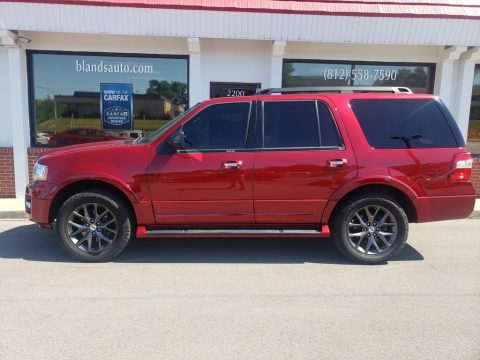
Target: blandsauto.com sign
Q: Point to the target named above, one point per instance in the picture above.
(109, 67)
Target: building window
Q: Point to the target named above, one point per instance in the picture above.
(65, 95)
(474, 123)
(418, 77)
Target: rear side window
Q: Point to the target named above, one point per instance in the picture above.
(290, 124)
(403, 123)
(328, 130)
(299, 124)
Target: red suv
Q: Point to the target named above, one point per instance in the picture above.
(354, 164)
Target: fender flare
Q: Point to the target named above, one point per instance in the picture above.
(107, 179)
(358, 183)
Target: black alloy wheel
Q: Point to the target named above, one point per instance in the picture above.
(94, 226)
(370, 228)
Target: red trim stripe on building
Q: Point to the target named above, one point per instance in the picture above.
(457, 9)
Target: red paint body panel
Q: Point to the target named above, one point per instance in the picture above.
(196, 188)
(39, 207)
(294, 186)
(444, 207)
(144, 212)
(116, 163)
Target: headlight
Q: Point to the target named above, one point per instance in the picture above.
(40, 172)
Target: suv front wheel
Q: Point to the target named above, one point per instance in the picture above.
(370, 229)
(94, 226)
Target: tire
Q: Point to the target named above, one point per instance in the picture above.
(104, 238)
(370, 228)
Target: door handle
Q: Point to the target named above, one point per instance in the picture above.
(336, 163)
(232, 165)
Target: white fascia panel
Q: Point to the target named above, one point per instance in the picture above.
(238, 25)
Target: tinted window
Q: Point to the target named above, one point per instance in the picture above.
(290, 124)
(82, 132)
(328, 130)
(400, 124)
(221, 126)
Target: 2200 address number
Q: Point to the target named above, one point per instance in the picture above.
(359, 74)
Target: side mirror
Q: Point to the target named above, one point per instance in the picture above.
(177, 140)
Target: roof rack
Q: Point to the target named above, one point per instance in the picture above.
(340, 90)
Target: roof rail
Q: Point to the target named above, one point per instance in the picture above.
(338, 89)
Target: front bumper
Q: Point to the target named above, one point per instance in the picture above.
(37, 202)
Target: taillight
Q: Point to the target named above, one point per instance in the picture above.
(461, 167)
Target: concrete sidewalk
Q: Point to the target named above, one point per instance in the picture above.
(15, 209)
(12, 208)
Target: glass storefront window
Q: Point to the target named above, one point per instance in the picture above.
(474, 123)
(67, 107)
(418, 77)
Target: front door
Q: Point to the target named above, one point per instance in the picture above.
(209, 182)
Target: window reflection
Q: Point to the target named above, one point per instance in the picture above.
(309, 73)
(66, 89)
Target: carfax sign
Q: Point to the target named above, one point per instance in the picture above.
(116, 106)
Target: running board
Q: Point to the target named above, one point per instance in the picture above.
(143, 232)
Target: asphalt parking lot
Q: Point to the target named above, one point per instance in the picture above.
(241, 299)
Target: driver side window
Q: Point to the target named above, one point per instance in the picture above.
(218, 127)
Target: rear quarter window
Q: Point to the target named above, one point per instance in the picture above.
(403, 123)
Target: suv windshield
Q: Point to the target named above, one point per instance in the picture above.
(155, 134)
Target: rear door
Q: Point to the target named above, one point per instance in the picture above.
(300, 161)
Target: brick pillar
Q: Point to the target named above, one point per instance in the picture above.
(7, 173)
(476, 175)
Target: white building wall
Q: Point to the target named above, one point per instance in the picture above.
(17, 76)
(361, 52)
(106, 43)
(5, 118)
(463, 95)
(235, 61)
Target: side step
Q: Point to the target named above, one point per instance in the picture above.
(143, 232)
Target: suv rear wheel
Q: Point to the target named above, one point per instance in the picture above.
(370, 229)
(94, 226)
